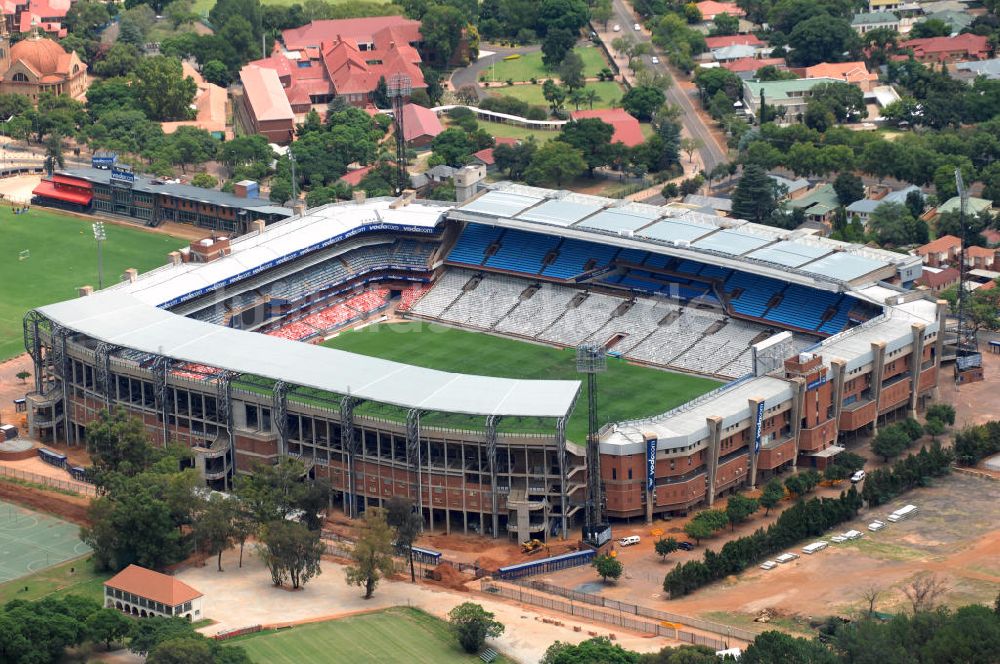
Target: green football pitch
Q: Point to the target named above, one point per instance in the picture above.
(395, 635)
(624, 392)
(62, 256)
(32, 541)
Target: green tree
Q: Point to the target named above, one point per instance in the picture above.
(608, 567)
(598, 650)
(772, 494)
(664, 547)
(108, 626)
(893, 225)
(291, 551)
(771, 647)
(407, 523)
(204, 180)
(161, 90)
(556, 45)
(943, 412)
(472, 625)
(934, 428)
(890, 442)
(452, 146)
(689, 146)
(555, 162)
(120, 59)
(725, 24)
(85, 18)
(822, 39)
(849, 188)
(213, 527)
(442, 27)
(54, 153)
(756, 194)
(592, 137)
(554, 94)
(372, 553)
(571, 71)
(739, 508)
(193, 145)
(182, 651)
(699, 530)
(643, 101)
(215, 71)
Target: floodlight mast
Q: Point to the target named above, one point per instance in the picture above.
(100, 236)
(967, 355)
(592, 360)
(399, 88)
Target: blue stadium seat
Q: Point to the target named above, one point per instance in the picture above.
(472, 244)
(522, 252)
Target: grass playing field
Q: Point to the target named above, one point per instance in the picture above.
(530, 66)
(395, 635)
(610, 93)
(63, 256)
(626, 391)
(76, 577)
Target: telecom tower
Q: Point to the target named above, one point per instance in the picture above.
(399, 87)
(592, 360)
(968, 359)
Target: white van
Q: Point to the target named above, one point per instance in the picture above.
(858, 476)
(628, 541)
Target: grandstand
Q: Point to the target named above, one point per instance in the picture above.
(209, 352)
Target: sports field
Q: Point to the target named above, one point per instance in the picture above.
(62, 257)
(31, 541)
(625, 391)
(395, 635)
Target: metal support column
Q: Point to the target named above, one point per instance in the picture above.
(563, 497)
(414, 455)
(491, 451)
(33, 344)
(224, 410)
(161, 391)
(61, 365)
(279, 415)
(349, 444)
(102, 365)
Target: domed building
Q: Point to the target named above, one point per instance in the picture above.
(36, 65)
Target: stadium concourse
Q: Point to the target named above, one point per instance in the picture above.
(819, 340)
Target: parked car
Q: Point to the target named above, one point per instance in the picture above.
(617, 28)
(655, 60)
(857, 477)
(637, 27)
(685, 546)
(628, 541)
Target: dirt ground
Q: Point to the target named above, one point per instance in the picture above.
(70, 508)
(241, 597)
(19, 187)
(954, 535)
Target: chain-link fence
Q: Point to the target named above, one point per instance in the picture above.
(78, 488)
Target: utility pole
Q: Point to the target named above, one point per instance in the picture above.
(100, 237)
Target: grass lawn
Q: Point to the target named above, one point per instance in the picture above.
(395, 635)
(610, 93)
(58, 581)
(626, 391)
(204, 6)
(530, 66)
(63, 257)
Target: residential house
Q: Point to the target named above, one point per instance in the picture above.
(937, 280)
(712, 43)
(734, 52)
(790, 95)
(982, 258)
(864, 208)
(262, 107)
(957, 20)
(793, 188)
(420, 125)
(868, 21)
(746, 68)
(210, 107)
(818, 205)
(628, 132)
(710, 9)
(353, 178)
(992, 237)
(25, 16)
(855, 73)
(948, 49)
(144, 593)
(973, 207)
(940, 252)
(485, 156)
(971, 70)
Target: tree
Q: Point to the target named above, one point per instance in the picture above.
(739, 508)
(23, 375)
(592, 137)
(598, 650)
(755, 197)
(554, 94)
(292, 551)
(771, 647)
(192, 145)
(401, 516)
(725, 24)
(108, 626)
(821, 39)
(556, 45)
(442, 28)
(608, 567)
(120, 60)
(643, 101)
(924, 591)
(472, 625)
(54, 153)
(571, 71)
(845, 101)
(215, 71)
(689, 146)
(849, 188)
(372, 552)
(182, 651)
(699, 530)
(943, 412)
(515, 159)
(161, 90)
(664, 547)
(934, 428)
(204, 180)
(555, 162)
(602, 12)
(871, 595)
(890, 442)
(213, 527)
(86, 18)
(772, 494)
(893, 225)
(569, 15)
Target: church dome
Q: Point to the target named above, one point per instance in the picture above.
(42, 55)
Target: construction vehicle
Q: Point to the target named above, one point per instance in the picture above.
(531, 546)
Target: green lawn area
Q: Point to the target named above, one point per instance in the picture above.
(609, 92)
(63, 257)
(204, 6)
(58, 581)
(394, 635)
(626, 391)
(530, 66)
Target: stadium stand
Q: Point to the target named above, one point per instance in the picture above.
(409, 296)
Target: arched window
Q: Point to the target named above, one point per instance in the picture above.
(20, 78)
(76, 69)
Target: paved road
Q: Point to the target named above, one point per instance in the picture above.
(711, 153)
(470, 75)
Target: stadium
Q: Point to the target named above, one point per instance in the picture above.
(735, 351)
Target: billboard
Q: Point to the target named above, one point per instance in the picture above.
(757, 428)
(650, 463)
(122, 174)
(104, 160)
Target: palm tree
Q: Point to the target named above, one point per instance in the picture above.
(590, 96)
(54, 153)
(577, 97)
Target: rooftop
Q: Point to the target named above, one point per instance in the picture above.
(974, 206)
(152, 585)
(988, 68)
(784, 90)
(627, 129)
(419, 121)
(874, 18)
(265, 94)
(940, 245)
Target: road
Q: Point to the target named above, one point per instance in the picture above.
(470, 75)
(712, 154)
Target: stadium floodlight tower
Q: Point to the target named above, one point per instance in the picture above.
(592, 360)
(399, 87)
(100, 236)
(968, 359)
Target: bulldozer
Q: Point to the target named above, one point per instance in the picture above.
(531, 546)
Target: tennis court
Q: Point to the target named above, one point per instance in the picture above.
(31, 541)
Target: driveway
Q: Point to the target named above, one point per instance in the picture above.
(470, 75)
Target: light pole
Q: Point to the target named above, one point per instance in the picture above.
(100, 236)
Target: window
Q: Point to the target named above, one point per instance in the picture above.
(20, 78)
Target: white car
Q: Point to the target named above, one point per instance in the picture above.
(857, 477)
(655, 60)
(617, 28)
(637, 27)
(628, 541)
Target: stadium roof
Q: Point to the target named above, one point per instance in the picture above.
(789, 255)
(121, 319)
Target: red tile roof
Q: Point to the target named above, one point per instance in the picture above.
(419, 121)
(152, 585)
(355, 177)
(980, 252)
(265, 94)
(752, 64)
(992, 236)
(486, 156)
(710, 9)
(732, 40)
(969, 45)
(627, 129)
(940, 245)
(358, 30)
(49, 190)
